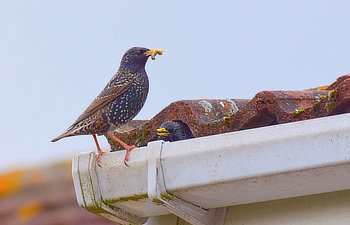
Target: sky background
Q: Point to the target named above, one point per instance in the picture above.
(56, 56)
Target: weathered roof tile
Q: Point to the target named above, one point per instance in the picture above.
(214, 116)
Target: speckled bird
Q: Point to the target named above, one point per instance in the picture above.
(173, 131)
(119, 102)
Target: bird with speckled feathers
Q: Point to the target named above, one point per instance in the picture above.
(119, 102)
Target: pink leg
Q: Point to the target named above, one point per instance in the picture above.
(100, 153)
(127, 147)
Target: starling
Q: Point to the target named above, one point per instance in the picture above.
(119, 102)
(173, 131)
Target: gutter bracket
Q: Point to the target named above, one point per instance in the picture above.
(88, 192)
(187, 211)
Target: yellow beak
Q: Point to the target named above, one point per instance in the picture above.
(153, 53)
(162, 132)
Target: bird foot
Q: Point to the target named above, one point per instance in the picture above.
(100, 153)
(128, 149)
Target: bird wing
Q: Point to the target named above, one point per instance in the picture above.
(119, 83)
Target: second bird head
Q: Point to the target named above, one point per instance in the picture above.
(174, 131)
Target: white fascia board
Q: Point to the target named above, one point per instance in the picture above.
(267, 163)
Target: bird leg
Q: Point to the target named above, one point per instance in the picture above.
(98, 149)
(127, 147)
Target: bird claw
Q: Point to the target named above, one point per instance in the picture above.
(126, 164)
(100, 153)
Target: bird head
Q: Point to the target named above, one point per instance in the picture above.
(173, 131)
(136, 57)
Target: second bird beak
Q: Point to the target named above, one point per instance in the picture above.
(153, 53)
(162, 132)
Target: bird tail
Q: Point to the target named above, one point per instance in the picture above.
(73, 130)
(65, 134)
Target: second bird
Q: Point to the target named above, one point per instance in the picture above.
(119, 102)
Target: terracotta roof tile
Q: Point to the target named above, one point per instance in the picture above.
(214, 116)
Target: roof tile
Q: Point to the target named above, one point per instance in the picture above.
(214, 116)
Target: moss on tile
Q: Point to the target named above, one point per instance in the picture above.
(143, 137)
(330, 105)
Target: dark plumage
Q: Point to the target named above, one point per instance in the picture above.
(173, 131)
(119, 102)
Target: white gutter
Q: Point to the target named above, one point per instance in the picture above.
(267, 163)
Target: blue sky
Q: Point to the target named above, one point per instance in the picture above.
(56, 56)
